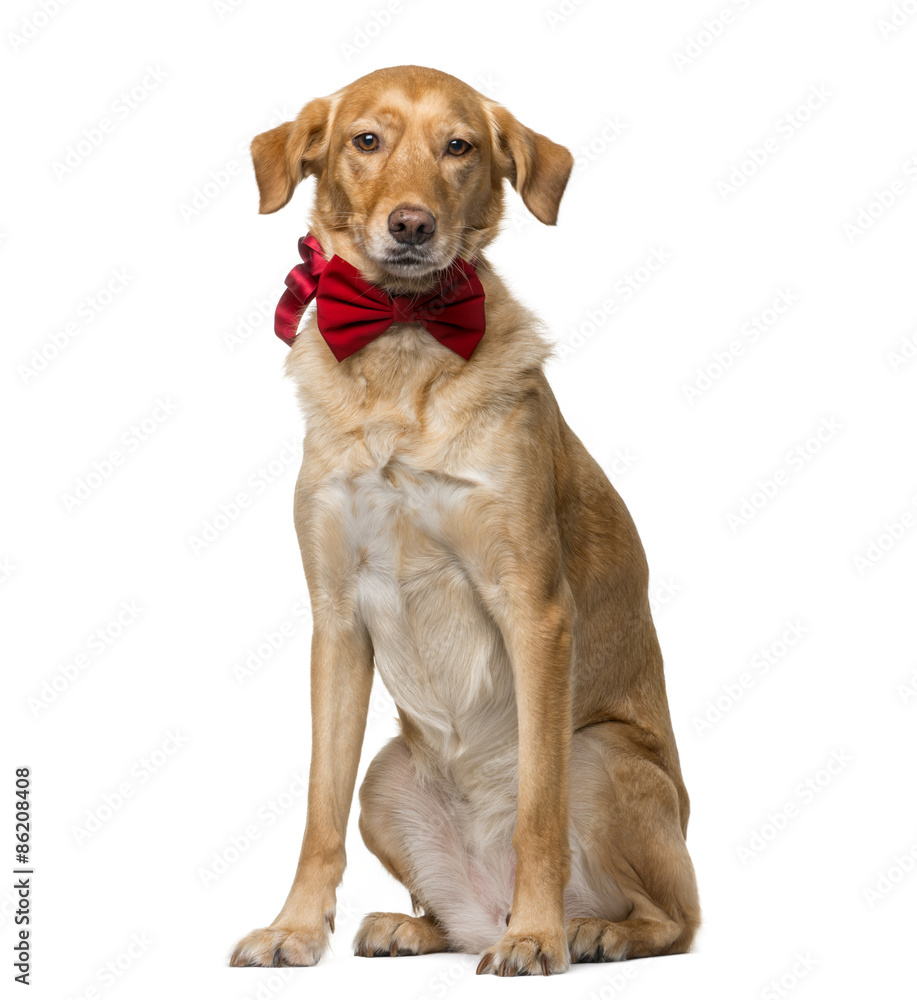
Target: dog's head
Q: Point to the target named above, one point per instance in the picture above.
(410, 164)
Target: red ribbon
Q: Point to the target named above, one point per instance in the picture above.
(351, 312)
(302, 283)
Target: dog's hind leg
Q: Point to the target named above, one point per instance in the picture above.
(629, 818)
(411, 826)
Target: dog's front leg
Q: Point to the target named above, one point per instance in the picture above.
(537, 634)
(341, 680)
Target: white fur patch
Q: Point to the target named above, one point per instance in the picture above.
(463, 870)
(439, 653)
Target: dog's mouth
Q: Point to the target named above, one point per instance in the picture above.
(409, 261)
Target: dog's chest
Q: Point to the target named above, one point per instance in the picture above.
(437, 649)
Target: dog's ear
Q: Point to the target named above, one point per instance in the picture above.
(285, 155)
(535, 166)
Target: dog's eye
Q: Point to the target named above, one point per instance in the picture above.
(366, 141)
(458, 147)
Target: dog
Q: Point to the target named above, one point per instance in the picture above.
(457, 537)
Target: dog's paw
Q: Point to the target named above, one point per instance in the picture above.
(518, 954)
(593, 940)
(397, 934)
(273, 946)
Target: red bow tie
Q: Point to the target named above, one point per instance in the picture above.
(351, 312)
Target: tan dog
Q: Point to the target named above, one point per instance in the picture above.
(456, 534)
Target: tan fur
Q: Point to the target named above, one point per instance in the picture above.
(456, 534)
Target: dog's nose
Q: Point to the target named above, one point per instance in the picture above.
(411, 225)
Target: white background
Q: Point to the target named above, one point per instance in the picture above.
(181, 347)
